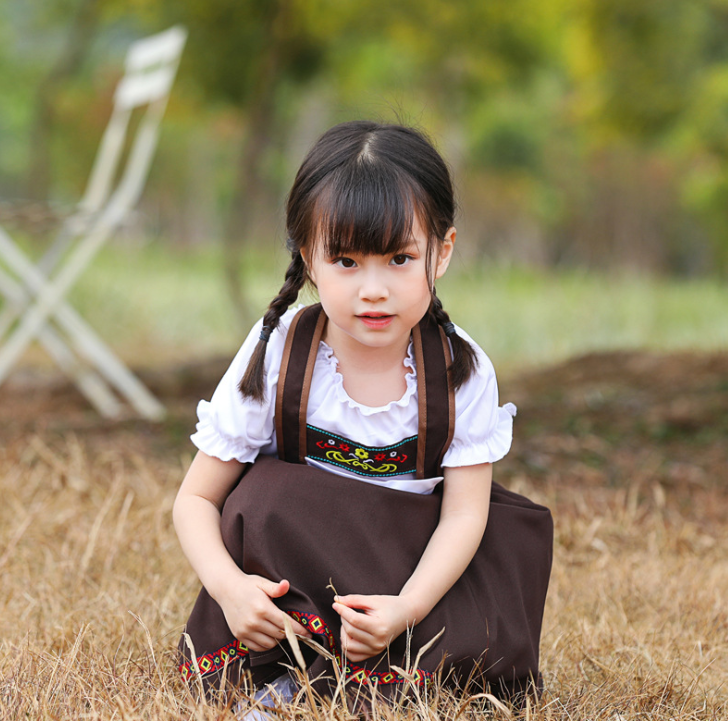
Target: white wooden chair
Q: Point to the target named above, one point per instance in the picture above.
(35, 294)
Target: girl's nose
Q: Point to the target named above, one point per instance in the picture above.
(373, 286)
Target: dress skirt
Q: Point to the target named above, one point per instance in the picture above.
(322, 531)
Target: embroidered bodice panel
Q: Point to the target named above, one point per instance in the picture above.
(231, 427)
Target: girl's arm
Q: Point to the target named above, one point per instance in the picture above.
(463, 517)
(245, 599)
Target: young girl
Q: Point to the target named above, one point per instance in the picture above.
(368, 531)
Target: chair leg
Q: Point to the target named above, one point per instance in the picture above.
(90, 346)
(88, 382)
(49, 301)
(91, 384)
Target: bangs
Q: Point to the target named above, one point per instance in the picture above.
(367, 209)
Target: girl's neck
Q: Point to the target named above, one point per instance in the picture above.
(372, 376)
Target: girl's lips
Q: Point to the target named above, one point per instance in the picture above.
(376, 321)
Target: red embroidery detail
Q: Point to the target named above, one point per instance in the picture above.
(236, 651)
(362, 460)
(211, 662)
(352, 671)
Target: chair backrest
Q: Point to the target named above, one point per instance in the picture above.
(151, 65)
(150, 68)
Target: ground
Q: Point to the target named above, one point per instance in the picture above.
(629, 450)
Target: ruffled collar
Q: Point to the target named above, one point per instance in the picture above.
(330, 363)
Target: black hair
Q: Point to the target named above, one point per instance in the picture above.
(359, 191)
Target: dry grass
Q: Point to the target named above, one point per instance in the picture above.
(94, 589)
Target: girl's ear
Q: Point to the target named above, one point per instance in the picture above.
(445, 254)
(309, 269)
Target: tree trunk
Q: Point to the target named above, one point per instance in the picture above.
(246, 201)
(249, 192)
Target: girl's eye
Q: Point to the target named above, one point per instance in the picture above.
(401, 259)
(345, 262)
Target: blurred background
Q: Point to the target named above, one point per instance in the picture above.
(588, 139)
(589, 143)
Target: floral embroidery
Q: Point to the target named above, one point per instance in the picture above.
(352, 462)
(395, 460)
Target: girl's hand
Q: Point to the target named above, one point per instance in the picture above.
(251, 615)
(367, 634)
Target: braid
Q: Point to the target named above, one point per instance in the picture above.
(464, 360)
(252, 383)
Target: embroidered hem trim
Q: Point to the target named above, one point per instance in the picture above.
(236, 652)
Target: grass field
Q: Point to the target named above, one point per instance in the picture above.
(95, 590)
(155, 305)
(628, 449)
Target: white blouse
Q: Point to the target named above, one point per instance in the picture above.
(231, 427)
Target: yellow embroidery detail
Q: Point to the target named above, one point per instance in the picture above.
(339, 457)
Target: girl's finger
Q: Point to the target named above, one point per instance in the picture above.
(273, 629)
(363, 642)
(356, 651)
(354, 600)
(261, 631)
(277, 629)
(357, 656)
(359, 620)
(295, 625)
(355, 633)
(260, 642)
(352, 645)
(274, 589)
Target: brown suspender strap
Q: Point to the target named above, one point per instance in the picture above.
(282, 377)
(318, 332)
(436, 397)
(435, 394)
(421, 401)
(294, 382)
(447, 352)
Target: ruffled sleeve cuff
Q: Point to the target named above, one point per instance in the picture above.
(210, 440)
(486, 450)
(232, 427)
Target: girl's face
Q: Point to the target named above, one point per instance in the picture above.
(374, 301)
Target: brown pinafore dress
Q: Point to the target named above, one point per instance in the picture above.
(286, 519)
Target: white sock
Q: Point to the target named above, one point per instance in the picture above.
(281, 690)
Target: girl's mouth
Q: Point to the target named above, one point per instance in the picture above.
(375, 320)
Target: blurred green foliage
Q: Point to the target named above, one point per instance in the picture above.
(161, 308)
(581, 132)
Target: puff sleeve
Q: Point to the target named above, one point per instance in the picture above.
(232, 427)
(483, 429)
